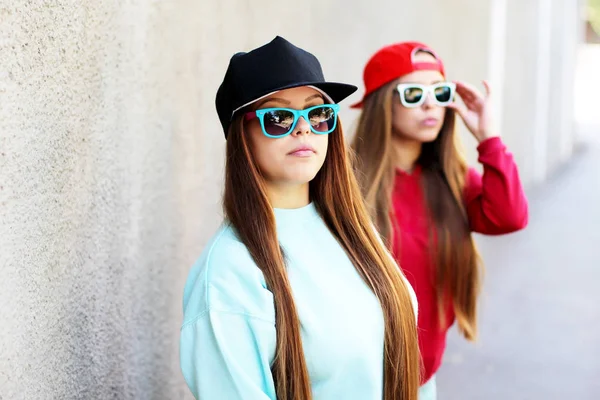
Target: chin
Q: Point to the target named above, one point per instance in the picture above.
(302, 177)
(303, 173)
(428, 136)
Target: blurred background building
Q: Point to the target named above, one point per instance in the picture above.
(111, 165)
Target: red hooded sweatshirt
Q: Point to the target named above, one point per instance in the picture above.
(495, 204)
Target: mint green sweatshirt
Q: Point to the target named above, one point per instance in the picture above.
(228, 335)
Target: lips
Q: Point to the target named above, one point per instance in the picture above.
(430, 121)
(302, 151)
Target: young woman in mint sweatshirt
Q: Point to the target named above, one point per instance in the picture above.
(295, 297)
(425, 200)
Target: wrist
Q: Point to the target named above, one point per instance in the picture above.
(490, 145)
(485, 135)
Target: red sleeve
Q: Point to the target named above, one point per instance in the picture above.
(495, 202)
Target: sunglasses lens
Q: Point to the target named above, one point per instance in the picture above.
(322, 118)
(413, 95)
(443, 94)
(278, 122)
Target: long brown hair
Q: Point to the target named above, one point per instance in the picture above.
(444, 171)
(337, 197)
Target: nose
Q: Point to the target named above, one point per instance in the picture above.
(428, 103)
(302, 127)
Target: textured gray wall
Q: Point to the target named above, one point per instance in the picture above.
(111, 159)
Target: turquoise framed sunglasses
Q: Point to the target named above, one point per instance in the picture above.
(280, 122)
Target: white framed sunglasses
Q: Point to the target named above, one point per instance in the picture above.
(414, 94)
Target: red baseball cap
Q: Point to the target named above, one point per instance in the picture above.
(392, 62)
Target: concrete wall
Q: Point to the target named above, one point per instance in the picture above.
(541, 43)
(111, 157)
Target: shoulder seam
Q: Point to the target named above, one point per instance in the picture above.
(208, 258)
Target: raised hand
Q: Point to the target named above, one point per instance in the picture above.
(476, 110)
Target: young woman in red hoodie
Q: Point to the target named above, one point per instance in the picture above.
(423, 197)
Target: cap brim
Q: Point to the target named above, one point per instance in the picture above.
(337, 91)
(357, 105)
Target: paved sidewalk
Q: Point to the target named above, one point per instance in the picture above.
(540, 314)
